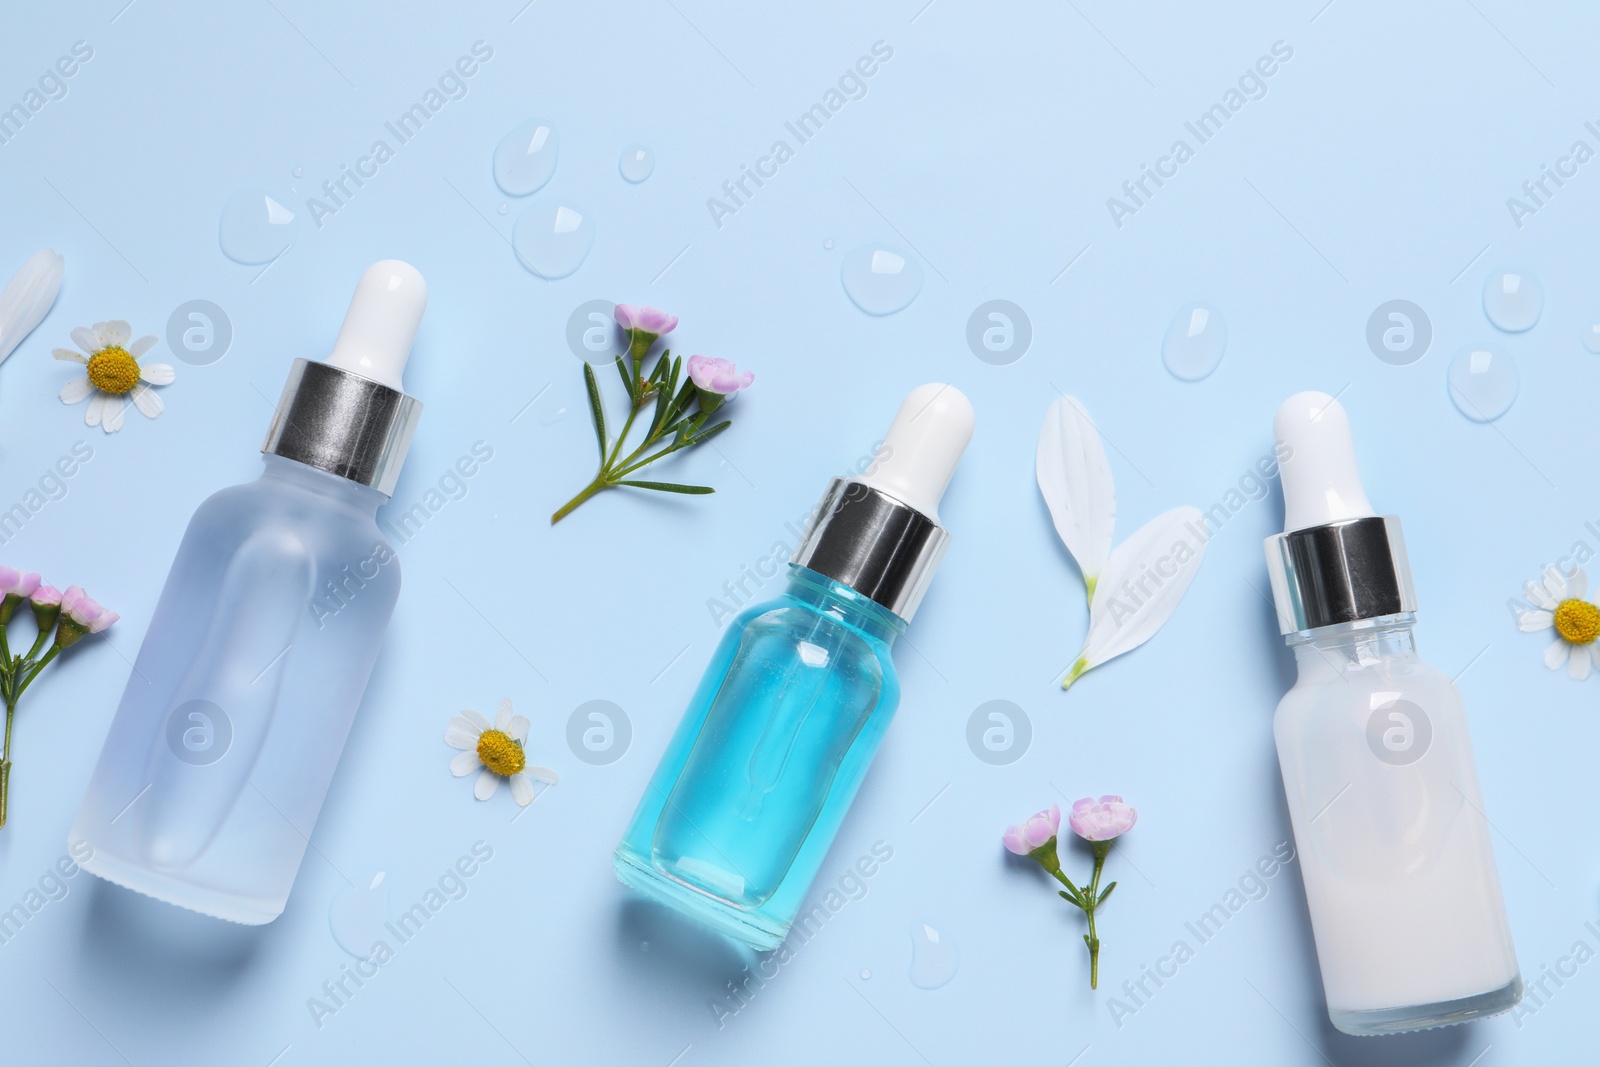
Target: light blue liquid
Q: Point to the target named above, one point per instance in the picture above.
(255, 227)
(1483, 382)
(637, 163)
(1194, 343)
(526, 157)
(755, 782)
(1513, 300)
(880, 280)
(552, 239)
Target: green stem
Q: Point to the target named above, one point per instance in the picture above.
(1100, 850)
(5, 762)
(588, 491)
(36, 670)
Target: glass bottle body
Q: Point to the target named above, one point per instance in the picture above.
(1395, 850)
(221, 752)
(764, 764)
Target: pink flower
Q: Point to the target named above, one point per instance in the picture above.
(46, 596)
(718, 376)
(1036, 833)
(17, 583)
(85, 612)
(1103, 819)
(652, 321)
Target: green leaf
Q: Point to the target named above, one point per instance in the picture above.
(1069, 898)
(1107, 893)
(627, 379)
(595, 408)
(706, 435)
(669, 487)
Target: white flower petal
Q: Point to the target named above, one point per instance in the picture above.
(461, 722)
(1071, 468)
(542, 774)
(28, 297)
(1539, 596)
(85, 339)
(1533, 621)
(522, 789)
(519, 728)
(116, 332)
(74, 391)
(69, 355)
(1579, 664)
(1556, 654)
(142, 345)
(479, 723)
(502, 715)
(1578, 584)
(1142, 583)
(486, 785)
(157, 373)
(1555, 583)
(111, 415)
(464, 763)
(97, 407)
(456, 737)
(146, 400)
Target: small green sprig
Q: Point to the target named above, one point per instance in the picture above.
(680, 406)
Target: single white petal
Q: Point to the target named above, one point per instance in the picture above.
(479, 723)
(85, 339)
(543, 774)
(1555, 583)
(147, 400)
(502, 715)
(69, 355)
(1539, 596)
(97, 408)
(1578, 584)
(464, 763)
(28, 297)
(1125, 616)
(519, 728)
(142, 345)
(1579, 664)
(456, 737)
(157, 373)
(1533, 621)
(1556, 653)
(116, 332)
(111, 416)
(486, 785)
(461, 722)
(74, 391)
(1070, 465)
(522, 789)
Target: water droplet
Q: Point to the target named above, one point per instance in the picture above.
(299, 172)
(504, 209)
(880, 280)
(255, 227)
(644, 946)
(1513, 300)
(1194, 342)
(934, 956)
(525, 158)
(828, 244)
(636, 163)
(1591, 338)
(866, 975)
(550, 418)
(357, 915)
(1483, 382)
(552, 239)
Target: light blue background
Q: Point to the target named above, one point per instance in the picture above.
(1376, 167)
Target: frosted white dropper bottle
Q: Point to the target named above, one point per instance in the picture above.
(1377, 763)
(259, 650)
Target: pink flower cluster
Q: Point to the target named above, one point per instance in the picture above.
(79, 613)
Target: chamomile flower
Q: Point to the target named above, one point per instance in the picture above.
(115, 375)
(1561, 604)
(496, 752)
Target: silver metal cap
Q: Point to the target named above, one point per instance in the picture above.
(345, 424)
(879, 546)
(1340, 572)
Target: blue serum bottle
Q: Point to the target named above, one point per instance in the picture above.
(755, 782)
(258, 653)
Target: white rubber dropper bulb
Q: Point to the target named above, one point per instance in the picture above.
(1321, 480)
(923, 446)
(376, 337)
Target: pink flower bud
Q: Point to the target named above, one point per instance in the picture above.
(46, 596)
(718, 376)
(648, 320)
(84, 610)
(17, 583)
(1103, 819)
(1035, 833)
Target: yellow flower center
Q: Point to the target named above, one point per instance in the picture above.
(500, 753)
(1578, 622)
(112, 370)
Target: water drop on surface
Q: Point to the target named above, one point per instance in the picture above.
(525, 158)
(552, 239)
(934, 956)
(299, 172)
(866, 975)
(504, 209)
(1513, 300)
(553, 417)
(1194, 342)
(1483, 382)
(1591, 338)
(644, 946)
(356, 917)
(637, 163)
(828, 244)
(880, 280)
(255, 228)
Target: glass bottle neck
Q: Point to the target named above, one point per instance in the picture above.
(1353, 646)
(844, 603)
(306, 478)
